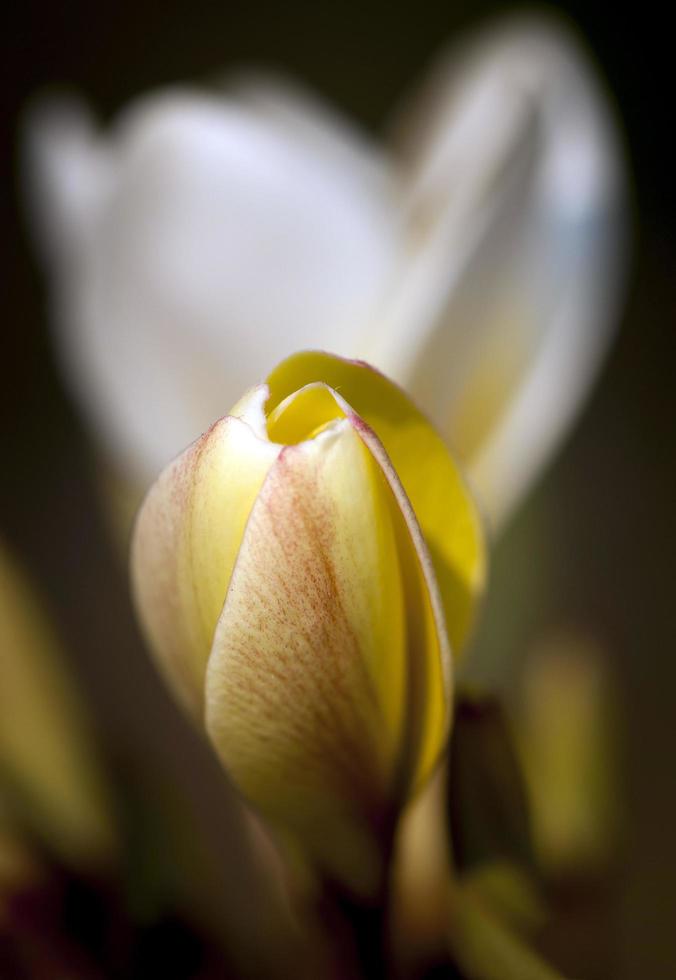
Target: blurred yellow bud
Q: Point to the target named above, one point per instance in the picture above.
(303, 571)
(51, 782)
(570, 750)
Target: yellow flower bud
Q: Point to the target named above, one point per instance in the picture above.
(303, 571)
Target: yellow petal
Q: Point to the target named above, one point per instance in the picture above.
(300, 416)
(307, 684)
(429, 675)
(440, 500)
(428, 682)
(186, 540)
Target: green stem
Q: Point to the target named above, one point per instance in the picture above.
(359, 929)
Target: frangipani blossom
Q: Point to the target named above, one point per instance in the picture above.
(304, 571)
(476, 260)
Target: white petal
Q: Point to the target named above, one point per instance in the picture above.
(225, 243)
(284, 103)
(516, 211)
(67, 172)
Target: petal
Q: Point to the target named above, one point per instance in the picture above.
(186, 540)
(222, 243)
(432, 482)
(68, 170)
(286, 104)
(429, 675)
(516, 204)
(308, 679)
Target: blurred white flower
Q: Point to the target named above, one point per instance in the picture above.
(477, 259)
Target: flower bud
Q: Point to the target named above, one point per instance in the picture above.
(303, 571)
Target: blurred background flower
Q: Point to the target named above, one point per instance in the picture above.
(591, 551)
(208, 233)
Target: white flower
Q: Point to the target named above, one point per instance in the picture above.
(476, 260)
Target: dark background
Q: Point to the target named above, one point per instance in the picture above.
(608, 501)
